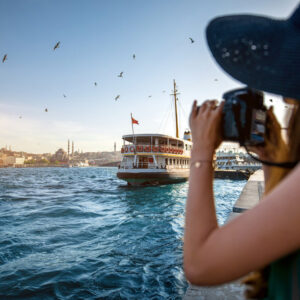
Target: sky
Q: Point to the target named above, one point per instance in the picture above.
(97, 41)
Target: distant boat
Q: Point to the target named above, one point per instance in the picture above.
(149, 159)
(80, 164)
(235, 161)
(233, 165)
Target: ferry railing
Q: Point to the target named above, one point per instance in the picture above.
(152, 166)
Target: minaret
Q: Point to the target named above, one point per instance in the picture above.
(72, 148)
(68, 148)
(115, 147)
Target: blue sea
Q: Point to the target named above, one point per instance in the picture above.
(81, 233)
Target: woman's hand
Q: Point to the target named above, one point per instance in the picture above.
(274, 149)
(205, 124)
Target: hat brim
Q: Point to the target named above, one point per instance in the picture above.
(261, 52)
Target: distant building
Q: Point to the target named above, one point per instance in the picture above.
(60, 155)
(12, 160)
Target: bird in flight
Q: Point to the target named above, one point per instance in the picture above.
(56, 46)
(20, 117)
(216, 79)
(133, 56)
(64, 96)
(164, 91)
(4, 58)
(121, 74)
(192, 41)
(149, 96)
(46, 109)
(95, 83)
(271, 100)
(117, 97)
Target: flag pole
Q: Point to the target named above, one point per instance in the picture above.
(132, 130)
(133, 136)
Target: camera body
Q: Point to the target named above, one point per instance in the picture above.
(244, 117)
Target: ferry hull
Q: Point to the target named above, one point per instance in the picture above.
(153, 178)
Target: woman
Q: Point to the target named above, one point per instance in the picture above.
(264, 54)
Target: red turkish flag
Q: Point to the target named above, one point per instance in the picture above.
(134, 121)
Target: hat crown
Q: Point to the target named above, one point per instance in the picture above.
(295, 17)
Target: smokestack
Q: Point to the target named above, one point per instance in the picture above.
(115, 147)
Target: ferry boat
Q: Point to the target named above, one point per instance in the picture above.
(150, 159)
(236, 161)
(232, 165)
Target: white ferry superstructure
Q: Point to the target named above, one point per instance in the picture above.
(156, 158)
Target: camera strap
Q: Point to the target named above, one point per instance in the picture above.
(286, 165)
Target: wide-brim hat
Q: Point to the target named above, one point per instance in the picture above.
(261, 52)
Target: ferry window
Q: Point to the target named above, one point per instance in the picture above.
(166, 161)
(185, 146)
(174, 161)
(150, 160)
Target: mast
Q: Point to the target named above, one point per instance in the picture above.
(175, 101)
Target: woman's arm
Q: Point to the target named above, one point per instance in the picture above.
(214, 255)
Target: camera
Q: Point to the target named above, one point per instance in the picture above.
(244, 117)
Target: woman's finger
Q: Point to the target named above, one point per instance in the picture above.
(194, 112)
(194, 109)
(204, 106)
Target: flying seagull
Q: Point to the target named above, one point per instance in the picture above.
(95, 83)
(192, 41)
(150, 96)
(133, 56)
(4, 58)
(216, 79)
(56, 45)
(20, 117)
(121, 74)
(64, 96)
(117, 97)
(164, 91)
(46, 109)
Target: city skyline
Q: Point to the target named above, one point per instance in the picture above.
(78, 82)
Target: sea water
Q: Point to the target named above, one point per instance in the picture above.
(81, 233)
